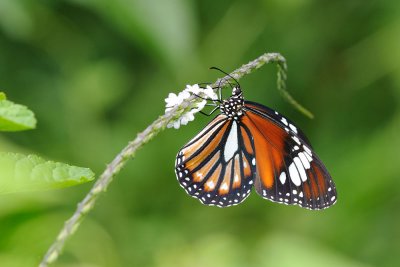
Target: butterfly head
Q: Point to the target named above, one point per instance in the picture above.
(236, 91)
(233, 106)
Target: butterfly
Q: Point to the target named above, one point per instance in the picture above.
(249, 145)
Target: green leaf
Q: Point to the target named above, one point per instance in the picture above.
(19, 173)
(15, 117)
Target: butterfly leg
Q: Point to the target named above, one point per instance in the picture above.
(201, 97)
(212, 111)
(207, 99)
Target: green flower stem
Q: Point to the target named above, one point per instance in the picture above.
(281, 81)
(102, 183)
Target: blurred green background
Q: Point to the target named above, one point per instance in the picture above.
(96, 72)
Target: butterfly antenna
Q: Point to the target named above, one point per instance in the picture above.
(215, 68)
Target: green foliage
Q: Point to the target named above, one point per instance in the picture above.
(15, 117)
(21, 173)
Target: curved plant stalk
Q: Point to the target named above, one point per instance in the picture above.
(149, 133)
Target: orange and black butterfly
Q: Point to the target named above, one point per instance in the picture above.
(249, 145)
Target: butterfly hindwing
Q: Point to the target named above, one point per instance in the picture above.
(216, 166)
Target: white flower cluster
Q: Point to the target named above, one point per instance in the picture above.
(174, 100)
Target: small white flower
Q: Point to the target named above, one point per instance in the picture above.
(184, 95)
(175, 124)
(210, 93)
(174, 100)
(199, 106)
(187, 117)
(195, 89)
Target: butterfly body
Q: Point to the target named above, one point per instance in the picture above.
(249, 145)
(233, 106)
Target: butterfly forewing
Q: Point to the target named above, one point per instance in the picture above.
(217, 166)
(277, 119)
(288, 171)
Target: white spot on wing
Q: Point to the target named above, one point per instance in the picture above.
(211, 184)
(294, 129)
(284, 121)
(304, 160)
(308, 157)
(296, 139)
(300, 168)
(294, 175)
(224, 186)
(231, 145)
(308, 150)
(282, 178)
